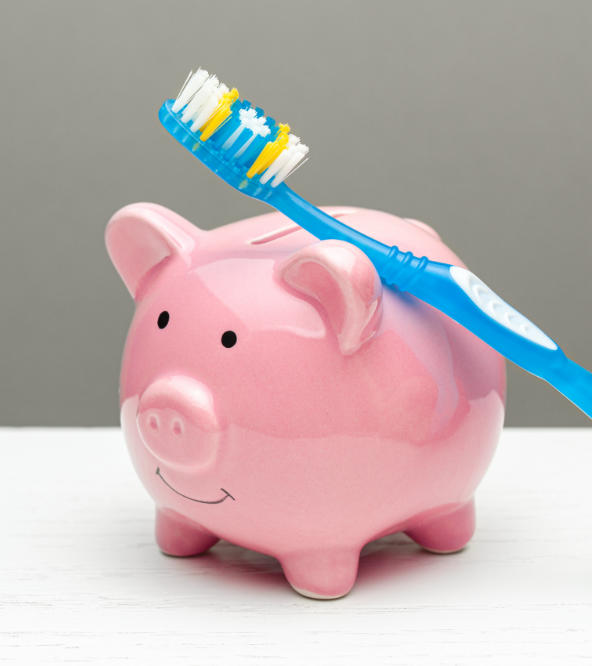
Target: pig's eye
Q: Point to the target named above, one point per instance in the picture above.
(229, 338)
(163, 319)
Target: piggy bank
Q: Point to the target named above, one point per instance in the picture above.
(276, 395)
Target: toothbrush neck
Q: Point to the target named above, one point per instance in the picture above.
(323, 226)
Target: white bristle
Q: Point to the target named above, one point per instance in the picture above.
(245, 145)
(286, 162)
(232, 138)
(192, 84)
(198, 99)
(242, 149)
(254, 124)
(176, 103)
(298, 153)
(248, 121)
(208, 107)
(280, 160)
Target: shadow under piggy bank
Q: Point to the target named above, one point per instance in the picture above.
(393, 560)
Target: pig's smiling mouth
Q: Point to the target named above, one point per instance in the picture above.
(166, 483)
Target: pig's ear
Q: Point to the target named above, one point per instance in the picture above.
(141, 235)
(344, 283)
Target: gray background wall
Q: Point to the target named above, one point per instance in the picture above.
(472, 115)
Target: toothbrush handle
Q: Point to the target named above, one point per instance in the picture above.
(457, 293)
(574, 382)
(461, 295)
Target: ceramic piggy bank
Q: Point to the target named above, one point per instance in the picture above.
(275, 395)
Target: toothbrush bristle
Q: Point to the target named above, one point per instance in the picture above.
(247, 137)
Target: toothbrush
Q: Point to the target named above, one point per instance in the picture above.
(254, 154)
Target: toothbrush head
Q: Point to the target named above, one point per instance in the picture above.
(236, 140)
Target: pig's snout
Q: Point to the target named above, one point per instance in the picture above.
(178, 423)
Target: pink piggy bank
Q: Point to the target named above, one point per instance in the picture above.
(274, 394)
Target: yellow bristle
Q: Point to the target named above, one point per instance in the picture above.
(270, 152)
(220, 114)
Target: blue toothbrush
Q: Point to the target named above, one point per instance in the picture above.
(254, 154)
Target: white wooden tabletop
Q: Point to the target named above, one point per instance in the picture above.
(82, 581)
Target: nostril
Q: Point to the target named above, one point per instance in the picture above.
(177, 424)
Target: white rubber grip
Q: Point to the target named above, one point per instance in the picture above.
(490, 303)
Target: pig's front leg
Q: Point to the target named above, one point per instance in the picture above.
(322, 574)
(446, 533)
(178, 536)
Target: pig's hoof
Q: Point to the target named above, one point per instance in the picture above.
(179, 537)
(314, 595)
(448, 533)
(322, 574)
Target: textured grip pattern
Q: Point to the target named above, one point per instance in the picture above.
(490, 303)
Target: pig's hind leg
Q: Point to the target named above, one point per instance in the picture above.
(322, 574)
(180, 537)
(446, 533)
